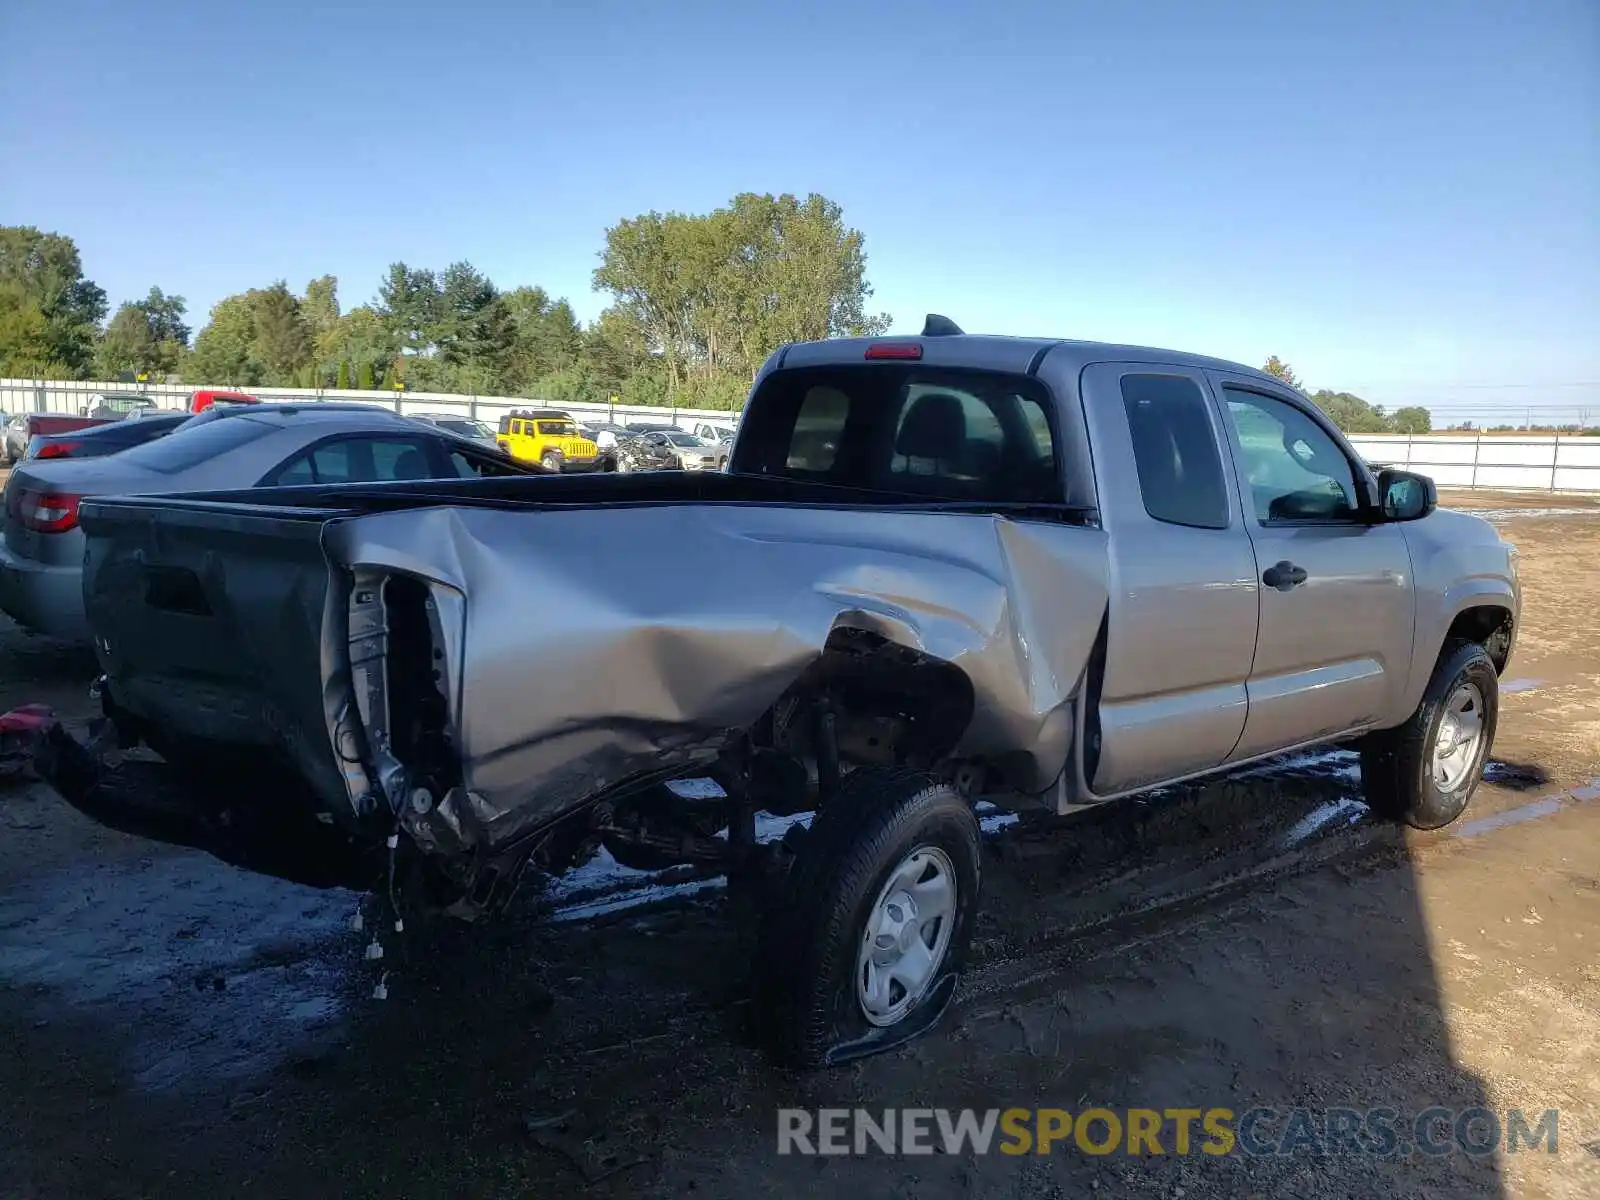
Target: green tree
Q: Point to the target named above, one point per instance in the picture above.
(391, 377)
(320, 305)
(27, 348)
(1411, 419)
(1279, 369)
(474, 334)
(358, 336)
(283, 341)
(714, 294)
(366, 378)
(409, 304)
(546, 337)
(225, 350)
(1351, 413)
(614, 351)
(342, 379)
(792, 271)
(49, 311)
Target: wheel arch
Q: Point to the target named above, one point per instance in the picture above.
(1489, 622)
(894, 703)
(1482, 610)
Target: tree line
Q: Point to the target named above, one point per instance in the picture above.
(696, 303)
(1350, 412)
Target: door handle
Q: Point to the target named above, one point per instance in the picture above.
(1283, 576)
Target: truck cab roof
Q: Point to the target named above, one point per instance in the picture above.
(938, 346)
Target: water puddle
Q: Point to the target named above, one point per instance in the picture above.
(1498, 515)
(1532, 811)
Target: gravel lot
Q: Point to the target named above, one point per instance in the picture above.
(172, 1026)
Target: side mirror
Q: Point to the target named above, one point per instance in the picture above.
(1406, 496)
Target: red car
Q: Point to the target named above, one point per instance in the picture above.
(206, 397)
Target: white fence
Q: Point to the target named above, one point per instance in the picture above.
(1526, 462)
(57, 396)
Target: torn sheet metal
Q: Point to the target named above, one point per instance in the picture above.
(586, 646)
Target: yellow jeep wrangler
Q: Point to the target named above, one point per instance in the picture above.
(548, 437)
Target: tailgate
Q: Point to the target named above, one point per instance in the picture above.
(209, 621)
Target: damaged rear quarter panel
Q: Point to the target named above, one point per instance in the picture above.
(598, 643)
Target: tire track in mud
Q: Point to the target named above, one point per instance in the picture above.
(1061, 893)
(1057, 893)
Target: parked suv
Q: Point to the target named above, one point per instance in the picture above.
(548, 437)
(113, 406)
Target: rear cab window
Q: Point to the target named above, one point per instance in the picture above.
(977, 436)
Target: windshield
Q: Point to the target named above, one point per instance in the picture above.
(193, 443)
(684, 439)
(558, 428)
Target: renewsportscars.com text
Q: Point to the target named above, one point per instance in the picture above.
(1382, 1132)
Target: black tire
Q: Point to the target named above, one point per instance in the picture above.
(1397, 764)
(550, 462)
(807, 1001)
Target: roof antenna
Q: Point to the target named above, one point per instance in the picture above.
(937, 326)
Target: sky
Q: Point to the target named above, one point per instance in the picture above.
(1401, 200)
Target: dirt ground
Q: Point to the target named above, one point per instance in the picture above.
(171, 1026)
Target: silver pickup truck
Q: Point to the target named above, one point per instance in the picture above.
(938, 568)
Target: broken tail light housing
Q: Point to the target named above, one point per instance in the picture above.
(48, 512)
(895, 350)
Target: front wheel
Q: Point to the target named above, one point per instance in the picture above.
(1424, 772)
(550, 462)
(860, 950)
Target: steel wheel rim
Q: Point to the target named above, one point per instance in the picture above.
(1459, 740)
(906, 935)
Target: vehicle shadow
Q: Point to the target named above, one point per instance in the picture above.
(1256, 943)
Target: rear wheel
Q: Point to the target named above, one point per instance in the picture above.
(1425, 772)
(861, 948)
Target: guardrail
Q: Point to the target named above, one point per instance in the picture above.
(1530, 462)
(66, 396)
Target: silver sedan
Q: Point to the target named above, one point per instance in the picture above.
(264, 445)
(692, 453)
